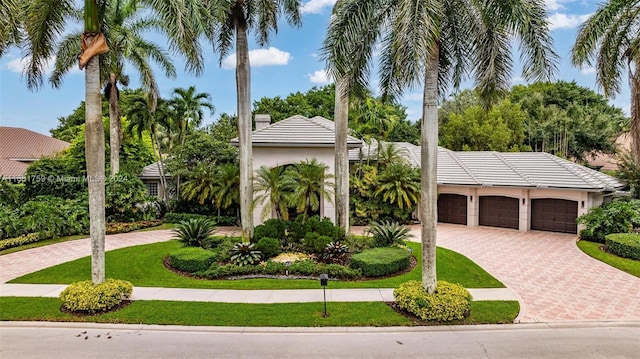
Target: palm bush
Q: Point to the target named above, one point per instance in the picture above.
(387, 233)
(195, 232)
(244, 254)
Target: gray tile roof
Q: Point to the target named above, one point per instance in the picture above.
(497, 169)
(299, 131)
(151, 171)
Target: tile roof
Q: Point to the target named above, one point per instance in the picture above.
(151, 171)
(508, 169)
(299, 131)
(19, 147)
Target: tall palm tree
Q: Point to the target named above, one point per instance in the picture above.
(273, 186)
(124, 26)
(45, 23)
(202, 183)
(399, 185)
(11, 15)
(227, 191)
(610, 40)
(310, 184)
(234, 20)
(434, 44)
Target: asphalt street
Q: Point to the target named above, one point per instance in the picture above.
(87, 340)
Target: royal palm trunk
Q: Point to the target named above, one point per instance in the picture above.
(115, 132)
(341, 119)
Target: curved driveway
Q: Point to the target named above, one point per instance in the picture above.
(554, 279)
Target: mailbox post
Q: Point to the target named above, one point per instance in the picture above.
(324, 280)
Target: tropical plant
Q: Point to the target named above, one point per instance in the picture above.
(387, 233)
(273, 190)
(11, 15)
(235, 19)
(618, 216)
(335, 252)
(399, 185)
(125, 195)
(227, 192)
(609, 40)
(436, 43)
(195, 232)
(201, 184)
(629, 172)
(309, 185)
(244, 254)
(46, 21)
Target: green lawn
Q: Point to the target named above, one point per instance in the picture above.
(142, 266)
(234, 314)
(624, 264)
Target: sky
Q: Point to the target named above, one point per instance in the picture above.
(289, 63)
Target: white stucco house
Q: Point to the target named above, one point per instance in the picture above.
(524, 190)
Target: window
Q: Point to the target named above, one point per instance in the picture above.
(152, 189)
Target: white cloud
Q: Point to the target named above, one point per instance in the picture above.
(566, 21)
(316, 6)
(414, 96)
(19, 64)
(260, 57)
(517, 79)
(320, 77)
(588, 70)
(553, 5)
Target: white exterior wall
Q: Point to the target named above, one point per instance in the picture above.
(280, 156)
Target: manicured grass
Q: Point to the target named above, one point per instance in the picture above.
(624, 264)
(235, 314)
(142, 266)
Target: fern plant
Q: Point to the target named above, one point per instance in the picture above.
(244, 254)
(387, 233)
(195, 232)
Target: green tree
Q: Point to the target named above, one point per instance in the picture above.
(610, 41)
(234, 19)
(201, 184)
(227, 191)
(309, 185)
(399, 185)
(11, 13)
(273, 189)
(189, 106)
(434, 43)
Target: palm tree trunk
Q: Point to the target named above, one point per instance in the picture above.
(94, 145)
(635, 113)
(428, 174)
(341, 119)
(243, 86)
(114, 126)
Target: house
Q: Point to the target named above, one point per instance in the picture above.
(524, 191)
(607, 161)
(20, 147)
(150, 176)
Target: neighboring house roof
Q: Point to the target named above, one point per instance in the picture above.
(607, 161)
(19, 147)
(152, 172)
(299, 131)
(508, 169)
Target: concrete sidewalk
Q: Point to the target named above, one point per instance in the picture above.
(249, 296)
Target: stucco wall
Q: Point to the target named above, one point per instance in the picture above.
(279, 156)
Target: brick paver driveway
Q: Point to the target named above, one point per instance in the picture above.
(554, 278)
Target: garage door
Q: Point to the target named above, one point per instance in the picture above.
(499, 211)
(555, 215)
(452, 208)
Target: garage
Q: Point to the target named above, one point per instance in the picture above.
(452, 208)
(499, 211)
(555, 215)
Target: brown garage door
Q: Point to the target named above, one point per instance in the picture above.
(499, 211)
(452, 208)
(555, 215)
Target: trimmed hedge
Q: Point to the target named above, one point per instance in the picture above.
(172, 217)
(449, 302)
(378, 262)
(21, 240)
(124, 227)
(191, 259)
(625, 245)
(88, 298)
(300, 268)
(270, 247)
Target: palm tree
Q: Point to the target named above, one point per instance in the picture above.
(45, 23)
(11, 13)
(124, 28)
(610, 39)
(309, 185)
(227, 191)
(399, 185)
(234, 19)
(435, 43)
(273, 185)
(202, 183)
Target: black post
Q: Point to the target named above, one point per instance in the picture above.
(324, 280)
(324, 292)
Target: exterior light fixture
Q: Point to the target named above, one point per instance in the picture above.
(324, 280)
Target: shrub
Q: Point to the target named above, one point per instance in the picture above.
(387, 233)
(244, 254)
(89, 298)
(357, 244)
(625, 245)
(123, 194)
(171, 217)
(449, 302)
(314, 243)
(10, 222)
(19, 241)
(119, 227)
(619, 216)
(270, 247)
(301, 268)
(191, 259)
(335, 252)
(379, 262)
(55, 215)
(271, 228)
(195, 232)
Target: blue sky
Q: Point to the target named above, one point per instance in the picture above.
(288, 64)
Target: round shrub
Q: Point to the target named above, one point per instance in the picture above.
(272, 228)
(270, 247)
(449, 302)
(315, 243)
(377, 262)
(625, 245)
(191, 259)
(89, 298)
